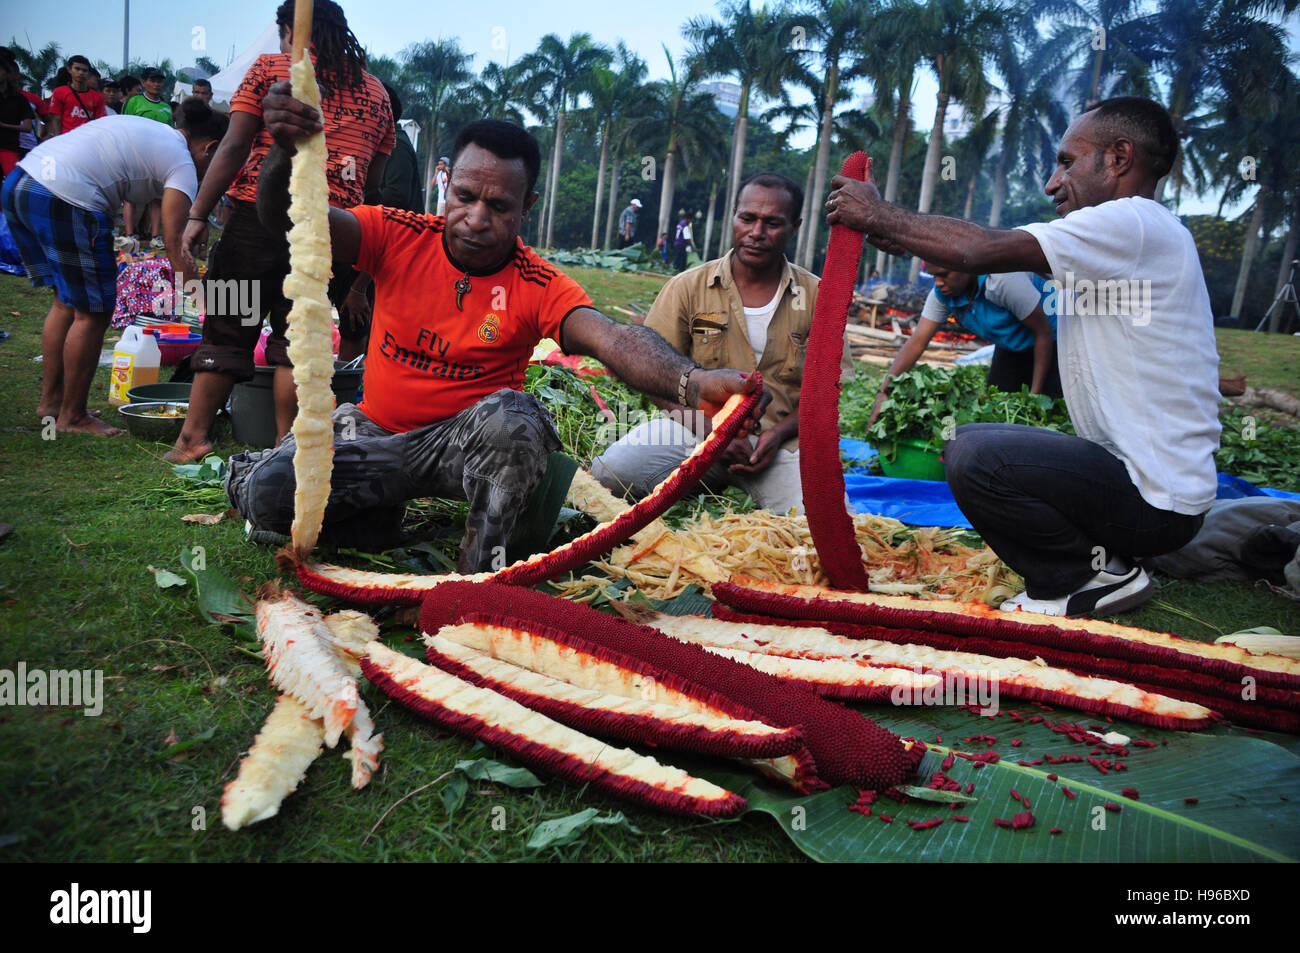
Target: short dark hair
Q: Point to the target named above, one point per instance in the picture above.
(201, 82)
(128, 81)
(78, 58)
(201, 121)
(775, 180)
(504, 140)
(394, 102)
(1143, 122)
(111, 84)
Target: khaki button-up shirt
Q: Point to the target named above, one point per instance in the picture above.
(699, 312)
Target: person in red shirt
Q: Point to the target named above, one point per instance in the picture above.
(76, 103)
(359, 134)
(460, 304)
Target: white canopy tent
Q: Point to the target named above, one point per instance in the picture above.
(227, 81)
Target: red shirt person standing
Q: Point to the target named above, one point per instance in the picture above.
(75, 104)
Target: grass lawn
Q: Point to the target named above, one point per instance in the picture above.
(1267, 360)
(76, 592)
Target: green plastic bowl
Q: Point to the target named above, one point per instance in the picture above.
(145, 393)
(913, 460)
(142, 423)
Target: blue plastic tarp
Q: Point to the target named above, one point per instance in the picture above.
(930, 502)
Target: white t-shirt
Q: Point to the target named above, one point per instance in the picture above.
(116, 159)
(1135, 344)
(756, 322)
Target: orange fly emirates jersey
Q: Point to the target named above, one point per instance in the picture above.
(427, 360)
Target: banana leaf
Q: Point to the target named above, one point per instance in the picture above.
(1247, 791)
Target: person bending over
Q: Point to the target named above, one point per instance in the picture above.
(59, 204)
(1006, 310)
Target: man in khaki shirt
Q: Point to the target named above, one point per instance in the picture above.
(749, 309)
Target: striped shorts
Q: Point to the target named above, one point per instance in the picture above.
(66, 247)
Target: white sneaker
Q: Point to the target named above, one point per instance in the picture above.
(157, 243)
(1106, 593)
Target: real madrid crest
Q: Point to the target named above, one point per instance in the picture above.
(490, 329)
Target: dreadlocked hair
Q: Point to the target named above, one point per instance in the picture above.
(340, 60)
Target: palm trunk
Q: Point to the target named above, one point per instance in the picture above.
(970, 195)
(555, 179)
(708, 221)
(613, 202)
(823, 160)
(600, 183)
(999, 186)
(930, 175)
(666, 191)
(1248, 253)
(805, 216)
(902, 128)
(737, 166)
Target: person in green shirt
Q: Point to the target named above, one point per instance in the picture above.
(150, 104)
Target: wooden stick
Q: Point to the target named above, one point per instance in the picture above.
(302, 11)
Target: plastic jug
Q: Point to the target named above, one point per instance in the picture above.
(135, 362)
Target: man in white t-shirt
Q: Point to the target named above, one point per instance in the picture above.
(751, 310)
(59, 205)
(1138, 363)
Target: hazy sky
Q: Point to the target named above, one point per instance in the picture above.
(500, 30)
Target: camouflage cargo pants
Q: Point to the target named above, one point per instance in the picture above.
(492, 454)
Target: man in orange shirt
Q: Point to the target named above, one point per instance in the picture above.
(460, 304)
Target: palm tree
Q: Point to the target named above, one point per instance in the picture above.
(899, 47)
(1266, 127)
(1033, 116)
(803, 116)
(39, 66)
(686, 121)
(836, 28)
(560, 70)
(613, 93)
(434, 69)
(754, 46)
(971, 151)
(495, 94)
(959, 35)
(798, 117)
(1216, 45)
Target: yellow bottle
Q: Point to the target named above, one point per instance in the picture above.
(135, 362)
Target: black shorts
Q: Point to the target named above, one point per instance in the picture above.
(257, 262)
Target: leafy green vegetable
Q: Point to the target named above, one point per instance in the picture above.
(1258, 451)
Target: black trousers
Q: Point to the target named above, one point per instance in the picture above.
(1055, 508)
(1010, 369)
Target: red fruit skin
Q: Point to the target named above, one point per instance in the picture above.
(846, 747)
(821, 473)
(636, 728)
(538, 756)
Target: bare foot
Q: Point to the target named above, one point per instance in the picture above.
(88, 424)
(183, 451)
(43, 412)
